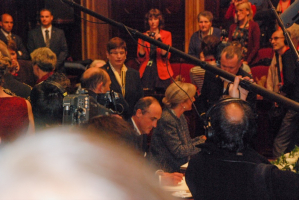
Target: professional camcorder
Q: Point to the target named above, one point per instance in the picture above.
(80, 107)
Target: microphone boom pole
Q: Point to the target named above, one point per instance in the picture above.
(243, 83)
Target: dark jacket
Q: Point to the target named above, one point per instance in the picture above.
(57, 43)
(133, 87)
(212, 91)
(218, 174)
(22, 52)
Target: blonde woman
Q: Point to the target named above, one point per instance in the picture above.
(16, 114)
(245, 31)
(171, 144)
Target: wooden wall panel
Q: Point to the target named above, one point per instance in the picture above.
(95, 34)
(192, 8)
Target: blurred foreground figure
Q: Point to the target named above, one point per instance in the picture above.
(58, 164)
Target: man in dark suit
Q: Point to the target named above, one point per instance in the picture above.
(48, 36)
(6, 24)
(214, 86)
(146, 114)
(125, 80)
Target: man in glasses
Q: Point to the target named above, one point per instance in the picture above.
(282, 79)
(124, 80)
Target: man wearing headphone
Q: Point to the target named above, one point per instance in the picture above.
(282, 80)
(227, 168)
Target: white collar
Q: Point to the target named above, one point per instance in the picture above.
(50, 29)
(135, 126)
(5, 33)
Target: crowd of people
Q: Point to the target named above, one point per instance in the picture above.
(222, 163)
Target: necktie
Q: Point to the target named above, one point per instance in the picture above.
(47, 38)
(8, 37)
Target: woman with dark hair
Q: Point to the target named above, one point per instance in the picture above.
(245, 31)
(47, 101)
(16, 115)
(171, 144)
(154, 71)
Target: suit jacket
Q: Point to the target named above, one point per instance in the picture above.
(212, 91)
(22, 52)
(57, 43)
(133, 87)
(161, 61)
(171, 144)
(140, 141)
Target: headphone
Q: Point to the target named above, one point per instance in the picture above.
(209, 130)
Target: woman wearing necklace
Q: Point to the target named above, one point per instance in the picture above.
(245, 31)
(153, 69)
(205, 19)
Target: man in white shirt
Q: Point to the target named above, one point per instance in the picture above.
(6, 24)
(48, 36)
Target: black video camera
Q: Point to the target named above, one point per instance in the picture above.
(111, 101)
(80, 107)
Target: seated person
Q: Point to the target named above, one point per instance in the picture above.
(97, 81)
(209, 54)
(171, 144)
(16, 114)
(205, 20)
(23, 71)
(47, 101)
(11, 85)
(43, 61)
(227, 168)
(120, 131)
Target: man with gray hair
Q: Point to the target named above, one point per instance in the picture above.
(214, 86)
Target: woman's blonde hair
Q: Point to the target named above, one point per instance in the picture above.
(174, 94)
(247, 6)
(5, 61)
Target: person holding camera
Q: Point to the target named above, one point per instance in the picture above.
(97, 81)
(155, 71)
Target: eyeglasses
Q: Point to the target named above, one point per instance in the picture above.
(274, 38)
(116, 53)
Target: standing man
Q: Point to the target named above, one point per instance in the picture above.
(125, 80)
(285, 139)
(48, 36)
(214, 86)
(6, 24)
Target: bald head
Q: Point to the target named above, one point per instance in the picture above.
(96, 79)
(234, 113)
(6, 22)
